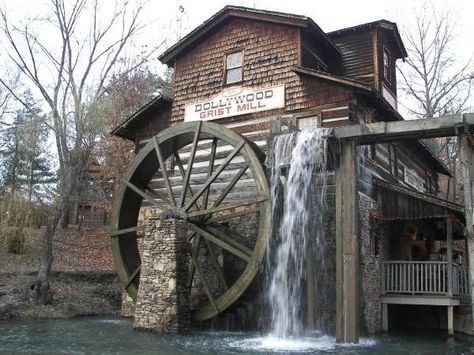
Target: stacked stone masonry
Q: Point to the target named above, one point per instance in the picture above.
(162, 302)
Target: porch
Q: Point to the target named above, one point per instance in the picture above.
(433, 283)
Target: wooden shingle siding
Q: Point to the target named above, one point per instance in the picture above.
(269, 50)
(357, 56)
(151, 126)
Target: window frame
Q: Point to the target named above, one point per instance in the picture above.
(227, 69)
(387, 69)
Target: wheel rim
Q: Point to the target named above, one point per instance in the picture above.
(208, 201)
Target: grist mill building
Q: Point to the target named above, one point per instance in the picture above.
(261, 73)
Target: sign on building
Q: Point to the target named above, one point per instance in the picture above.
(236, 101)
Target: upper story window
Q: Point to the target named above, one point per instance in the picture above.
(387, 64)
(234, 67)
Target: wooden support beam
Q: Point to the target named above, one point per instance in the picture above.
(449, 255)
(347, 247)
(385, 317)
(450, 320)
(466, 161)
(415, 129)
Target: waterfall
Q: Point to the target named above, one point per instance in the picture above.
(298, 187)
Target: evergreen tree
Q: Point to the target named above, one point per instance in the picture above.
(26, 163)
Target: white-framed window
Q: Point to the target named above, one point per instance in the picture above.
(234, 67)
(387, 64)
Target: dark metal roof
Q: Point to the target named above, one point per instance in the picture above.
(229, 11)
(123, 129)
(384, 24)
(412, 212)
(331, 77)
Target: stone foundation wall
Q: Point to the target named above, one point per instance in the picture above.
(370, 270)
(128, 306)
(162, 301)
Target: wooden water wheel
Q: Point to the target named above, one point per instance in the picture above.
(211, 179)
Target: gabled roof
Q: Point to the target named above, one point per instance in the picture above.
(379, 101)
(384, 24)
(229, 12)
(123, 129)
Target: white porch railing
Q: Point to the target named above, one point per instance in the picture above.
(424, 278)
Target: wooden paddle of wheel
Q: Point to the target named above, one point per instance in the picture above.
(212, 179)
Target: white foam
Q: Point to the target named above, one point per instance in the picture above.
(300, 344)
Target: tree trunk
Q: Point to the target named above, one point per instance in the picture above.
(41, 290)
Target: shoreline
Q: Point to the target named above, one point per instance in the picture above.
(75, 294)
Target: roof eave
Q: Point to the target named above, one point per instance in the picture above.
(122, 129)
(242, 12)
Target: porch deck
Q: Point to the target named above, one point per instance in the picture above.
(433, 283)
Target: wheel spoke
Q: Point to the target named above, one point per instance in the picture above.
(163, 171)
(207, 289)
(215, 263)
(222, 240)
(215, 174)
(182, 173)
(116, 233)
(232, 214)
(133, 276)
(143, 194)
(190, 163)
(209, 171)
(226, 207)
(229, 187)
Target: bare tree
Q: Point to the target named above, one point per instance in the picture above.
(68, 56)
(432, 76)
(434, 81)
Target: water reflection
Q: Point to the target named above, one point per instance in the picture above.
(116, 336)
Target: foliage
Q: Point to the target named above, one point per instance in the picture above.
(26, 162)
(14, 239)
(67, 57)
(127, 93)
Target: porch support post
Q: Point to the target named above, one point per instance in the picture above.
(385, 317)
(449, 254)
(347, 248)
(450, 320)
(466, 159)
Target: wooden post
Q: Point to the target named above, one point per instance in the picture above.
(385, 317)
(450, 320)
(449, 254)
(347, 248)
(466, 160)
(449, 260)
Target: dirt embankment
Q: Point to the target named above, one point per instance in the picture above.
(83, 279)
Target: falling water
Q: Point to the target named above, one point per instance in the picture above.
(299, 181)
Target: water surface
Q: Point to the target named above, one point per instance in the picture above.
(116, 336)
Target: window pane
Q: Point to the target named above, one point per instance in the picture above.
(234, 75)
(234, 60)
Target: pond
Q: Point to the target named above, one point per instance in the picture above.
(91, 335)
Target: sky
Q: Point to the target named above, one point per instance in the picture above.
(330, 15)
(172, 19)
(163, 15)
